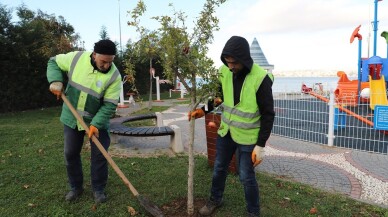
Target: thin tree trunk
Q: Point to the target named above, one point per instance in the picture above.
(150, 96)
(174, 79)
(190, 181)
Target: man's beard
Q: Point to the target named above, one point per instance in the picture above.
(94, 64)
(105, 71)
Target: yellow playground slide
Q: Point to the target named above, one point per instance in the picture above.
(378, 92)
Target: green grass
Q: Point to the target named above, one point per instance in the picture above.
(165, 96)
(33, 180)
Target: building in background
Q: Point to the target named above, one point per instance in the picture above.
(259, 57)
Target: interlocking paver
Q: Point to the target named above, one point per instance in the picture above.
(308, 171)
(374, 164)
(311, 163)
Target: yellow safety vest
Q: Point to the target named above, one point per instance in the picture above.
(94, 94)
(243, 119)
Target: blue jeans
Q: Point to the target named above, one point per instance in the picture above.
(74, 140)
(226, 147)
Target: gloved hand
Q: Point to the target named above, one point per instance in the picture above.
(93, 131)
(56, 88)
(198, 113)
(217, 101)
(257, 155)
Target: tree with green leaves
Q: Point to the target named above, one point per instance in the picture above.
(146, 47)
(184, 55)
(137, 65)
(26, 46)
(104, 33)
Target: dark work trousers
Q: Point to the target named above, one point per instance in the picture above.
(225, 148)
(74, 140)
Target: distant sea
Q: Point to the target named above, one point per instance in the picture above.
(294, 84)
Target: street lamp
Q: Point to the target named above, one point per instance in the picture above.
(121, 47)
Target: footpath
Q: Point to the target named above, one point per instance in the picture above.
(359, 175)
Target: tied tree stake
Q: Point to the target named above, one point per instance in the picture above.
(183, 55)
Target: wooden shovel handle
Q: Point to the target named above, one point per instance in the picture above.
(100, 147)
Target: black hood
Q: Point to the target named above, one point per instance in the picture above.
(238, 48)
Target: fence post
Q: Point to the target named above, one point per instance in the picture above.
(330, 135)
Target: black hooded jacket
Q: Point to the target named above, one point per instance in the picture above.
(238, 48)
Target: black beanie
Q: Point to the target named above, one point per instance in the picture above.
(105, 46)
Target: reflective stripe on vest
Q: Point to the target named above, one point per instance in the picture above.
(74, 63)
(237, 112)
(238, 124)
(242, 120)
(88, 90)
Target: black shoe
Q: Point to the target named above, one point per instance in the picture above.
(73, 194)
(99, 197)
(209, 208)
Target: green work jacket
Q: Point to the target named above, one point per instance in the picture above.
(93, 94)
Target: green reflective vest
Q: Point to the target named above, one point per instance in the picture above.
(243, 119)
(93, 94)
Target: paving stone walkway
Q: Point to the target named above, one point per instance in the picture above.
(360, 175)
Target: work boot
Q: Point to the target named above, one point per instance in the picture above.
(74, 194)
(99, 197)
(209, 208)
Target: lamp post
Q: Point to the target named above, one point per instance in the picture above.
(121, 47)
(375, 28)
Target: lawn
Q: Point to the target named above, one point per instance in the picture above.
(33, 180)
(163, 96)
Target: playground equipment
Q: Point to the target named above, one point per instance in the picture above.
(371, 79)
(305, 89)
(158, 82)
(371, 74)
(365, 93)
(122, 100)
(318, 88)
(343, 109)
(179, 87)
(347, 90)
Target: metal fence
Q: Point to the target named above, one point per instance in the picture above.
(315, 119)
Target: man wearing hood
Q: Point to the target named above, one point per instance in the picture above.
(246, 123)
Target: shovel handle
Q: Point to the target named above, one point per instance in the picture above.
(100, 147)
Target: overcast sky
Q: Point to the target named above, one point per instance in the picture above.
(294, 34)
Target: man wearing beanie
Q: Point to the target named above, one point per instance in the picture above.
(93, 88)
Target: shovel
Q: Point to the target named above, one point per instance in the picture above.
(148, 205)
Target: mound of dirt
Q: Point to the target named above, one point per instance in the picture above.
(178, 208)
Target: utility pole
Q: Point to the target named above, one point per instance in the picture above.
(121, 46)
